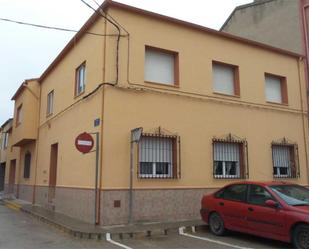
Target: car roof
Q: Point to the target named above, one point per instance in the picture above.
(263, 183)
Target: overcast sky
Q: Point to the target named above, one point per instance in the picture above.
(27, 51)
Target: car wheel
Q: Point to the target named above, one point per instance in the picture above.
(216, 224)
(301, 237)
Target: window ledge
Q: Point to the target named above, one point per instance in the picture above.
(49, 115)
(276, 103)
(227, 95)
(162, 84)
(78, 95)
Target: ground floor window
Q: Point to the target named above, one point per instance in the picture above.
(228, 158)
(27, 165)
(158, 156)
(284, 161)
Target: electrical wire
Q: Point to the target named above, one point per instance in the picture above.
(50, 27)
(118, 36)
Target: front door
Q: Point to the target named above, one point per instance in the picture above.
(12, 176)
(2, 175)
(53, 172)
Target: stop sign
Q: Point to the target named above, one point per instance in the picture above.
(84, 142)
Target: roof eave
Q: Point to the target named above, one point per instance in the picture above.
(109, 3)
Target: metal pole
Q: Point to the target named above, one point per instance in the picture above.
(131, 182)
(96, 179)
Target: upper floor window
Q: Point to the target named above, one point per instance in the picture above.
(27, 165)
(5, 140)
(80, 79)
(284, 160)
(50, 103)
(225, 78)
(161, 66)
(276, 89)
(229, 158)
(158, 156)
(19, 115)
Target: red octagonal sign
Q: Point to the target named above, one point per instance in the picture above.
(84, 142)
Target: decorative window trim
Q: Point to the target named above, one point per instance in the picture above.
(176, 65)
(294, 170)
(19, 115)
(50, 103)
(174, 170)
(5, 140)
(243, 156)
(76, 92)
(284, 89)
(236, 81)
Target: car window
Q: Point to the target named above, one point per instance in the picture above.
(235, 192)
(258, 195)
(294, 195)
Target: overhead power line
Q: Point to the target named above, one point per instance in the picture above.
(98, 11)
(50, 27)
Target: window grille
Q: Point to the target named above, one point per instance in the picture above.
(158, 156)
(285, 160)
(230, 158)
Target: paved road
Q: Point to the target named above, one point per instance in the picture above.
(19, 231)
(204, 240)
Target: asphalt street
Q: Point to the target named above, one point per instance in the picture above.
(19, 230)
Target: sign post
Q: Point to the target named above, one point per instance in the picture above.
(84, 144)
(135, 137)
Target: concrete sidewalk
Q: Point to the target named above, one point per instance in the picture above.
(82, 229)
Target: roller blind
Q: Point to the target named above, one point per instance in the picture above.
(159, 67)
(154, 149)
(223, 79)
(281, 156)
(228, 152)
(273, 89)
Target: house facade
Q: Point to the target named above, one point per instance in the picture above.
(9, 159)
(280, 23)
(213, 109)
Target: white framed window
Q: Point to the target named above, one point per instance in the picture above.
(80, 79)
(283, 161)
(157, 157)
(275, 89)
(50, 103)
(227, 159)
(225, 78)
(161, 66)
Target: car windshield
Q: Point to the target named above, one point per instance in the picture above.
(293, 195)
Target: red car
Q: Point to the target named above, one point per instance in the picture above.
(274, 210)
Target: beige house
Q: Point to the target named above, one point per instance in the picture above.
(213, 108)
(4, 144)
(9, 159)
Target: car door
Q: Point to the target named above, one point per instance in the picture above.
(264, 220)
(231, 206)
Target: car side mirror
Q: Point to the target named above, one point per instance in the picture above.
(272, 204)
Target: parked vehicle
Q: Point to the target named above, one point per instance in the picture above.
(275, 210)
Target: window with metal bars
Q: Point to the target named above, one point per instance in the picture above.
(158, 156)
(284, 161)
(229, 159)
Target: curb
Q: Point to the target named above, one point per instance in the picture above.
(101, 232)
(12, 205)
